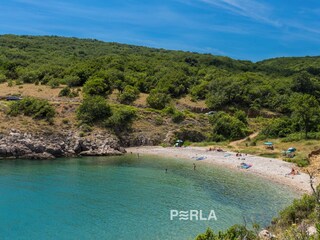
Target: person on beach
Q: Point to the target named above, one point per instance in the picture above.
(138, 155)
(194, 166)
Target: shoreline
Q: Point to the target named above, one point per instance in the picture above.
(271, 169)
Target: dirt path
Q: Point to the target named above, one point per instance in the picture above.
(235, 143)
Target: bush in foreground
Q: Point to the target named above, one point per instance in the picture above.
(234, 232)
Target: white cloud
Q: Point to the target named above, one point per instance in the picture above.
(248, 8)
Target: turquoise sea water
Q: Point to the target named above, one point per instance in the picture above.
(127, 198)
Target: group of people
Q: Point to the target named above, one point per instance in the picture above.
(215, 149)
(238, 154)
(241, 156)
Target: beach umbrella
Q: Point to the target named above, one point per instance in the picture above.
(179, 141)
(268, 143)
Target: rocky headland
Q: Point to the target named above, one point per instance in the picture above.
(17, 144)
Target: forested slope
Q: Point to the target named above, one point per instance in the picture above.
(281, 86)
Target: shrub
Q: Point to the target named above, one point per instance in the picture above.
(296, 212)
(121, 119)
(29, 76)
(158, 100)
(96, 86)
(2, 78)
(294, 137)
(93, 109)
(178, 117)
(74, 94)
(73, 81)
(65, 92)
(36, 108)
(234, 232)
(241, 115)
(279, 127)
(300, 162)
(19, 82)
(190, 135)
(199, 92)
(54, 83)
(128, 95)
(253, 143)
(10, 83)
(228, 127)
(170, 110)
(86, 128)
(158, 121)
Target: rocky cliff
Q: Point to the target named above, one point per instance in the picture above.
(17, 144)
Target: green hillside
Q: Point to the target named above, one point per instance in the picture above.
(280, 87)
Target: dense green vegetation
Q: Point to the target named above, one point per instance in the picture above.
(286, 87)
(226, 126)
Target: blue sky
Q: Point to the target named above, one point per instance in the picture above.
(241, 29)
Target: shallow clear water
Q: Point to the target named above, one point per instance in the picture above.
(127, 198)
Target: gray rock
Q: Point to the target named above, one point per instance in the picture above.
(54, 150)
(47, 146)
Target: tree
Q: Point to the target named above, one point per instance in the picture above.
(242, 116)
(305, 111)
(158, 100)
(73, 81)
(93, 109)
(128, 95)
(226, 126)
(116, 77)
(96, 86)
(121, 119)
(303, 83)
